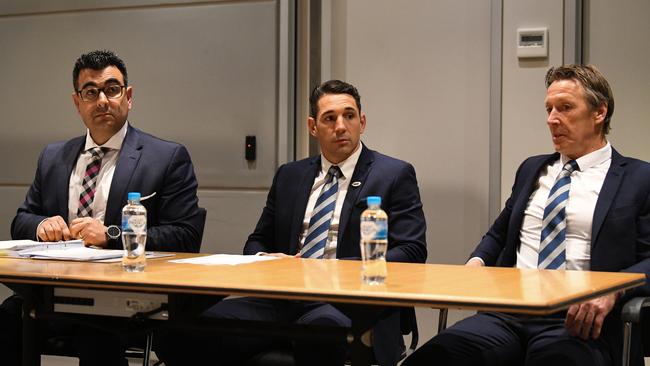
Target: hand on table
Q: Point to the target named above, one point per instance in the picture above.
(53, 229)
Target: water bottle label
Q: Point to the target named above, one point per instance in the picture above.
(382, 230)
(374, 230)
(125, 224)
(138, 223)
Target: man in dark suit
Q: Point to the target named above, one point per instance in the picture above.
(133, 161)
(283, 230)
(585, 207)
(81, 185)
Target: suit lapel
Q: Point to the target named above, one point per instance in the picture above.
(520, 204)
(530, 184)
(126, 165)
(70, 155)
(300, 203)
(361, 171)
(607, 193)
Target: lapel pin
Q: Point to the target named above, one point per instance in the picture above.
(356, 184)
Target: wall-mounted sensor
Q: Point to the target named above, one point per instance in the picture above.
(250, 148)
(532, 42)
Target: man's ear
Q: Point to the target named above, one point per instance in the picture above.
(600, 113)
(129, 96)
(76, 101)
(311, 124)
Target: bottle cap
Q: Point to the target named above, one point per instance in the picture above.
(133, 196)
(374, 200)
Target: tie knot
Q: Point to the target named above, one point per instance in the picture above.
(97, 152)
(335, 171)
(571, 166)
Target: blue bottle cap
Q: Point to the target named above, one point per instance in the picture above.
(133, 196)
(374, 200)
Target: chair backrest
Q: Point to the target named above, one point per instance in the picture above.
(203, 214)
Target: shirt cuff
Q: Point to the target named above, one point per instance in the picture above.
(479, 258)
(38, 227)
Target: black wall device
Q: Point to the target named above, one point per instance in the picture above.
(250, 148)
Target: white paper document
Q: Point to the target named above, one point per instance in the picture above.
(19, 245)
(229, 259)
(78, 253)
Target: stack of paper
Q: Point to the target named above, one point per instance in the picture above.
(20, 245)
(71, 250)
(65, 250)
(77, 253)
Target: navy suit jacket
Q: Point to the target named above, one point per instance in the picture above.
(620, 234)
(145, 164)
(279, 227)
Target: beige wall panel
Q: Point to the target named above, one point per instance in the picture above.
(205, 76)
(617, 43)
(524, 130)
(422, 68)
(11, 198)
(232, 216)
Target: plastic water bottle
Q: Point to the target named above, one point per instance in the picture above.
(134, 234)
(374, 242)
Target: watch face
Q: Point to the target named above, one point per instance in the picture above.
(113, 232)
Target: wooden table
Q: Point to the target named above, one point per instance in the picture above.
(408, 284)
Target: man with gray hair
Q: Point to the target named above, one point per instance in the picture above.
(585, 207)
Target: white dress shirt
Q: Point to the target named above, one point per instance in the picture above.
(104, 178)
(583, 195)
(347, 168)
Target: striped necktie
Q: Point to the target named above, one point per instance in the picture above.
(90, 182)
(321, 216)
(552, 248)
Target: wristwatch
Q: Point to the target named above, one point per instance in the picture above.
(113, 232)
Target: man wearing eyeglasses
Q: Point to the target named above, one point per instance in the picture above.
(66, 202)
(81, 185)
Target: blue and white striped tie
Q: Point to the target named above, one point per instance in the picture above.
(552, 248)
(321, 216)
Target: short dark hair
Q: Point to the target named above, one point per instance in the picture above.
(332, 87)
(97, 60)
(596, 87)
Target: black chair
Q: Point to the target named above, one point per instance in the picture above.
(203, 214)
(635, 320)
(11, 330)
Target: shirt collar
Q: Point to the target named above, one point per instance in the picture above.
(592, 159)
(114, 143)
(346, 166)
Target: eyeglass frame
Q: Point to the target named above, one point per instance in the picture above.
(101, 90)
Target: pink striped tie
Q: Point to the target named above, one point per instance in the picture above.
(90, 181)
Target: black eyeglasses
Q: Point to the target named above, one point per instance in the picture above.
(91, 93)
